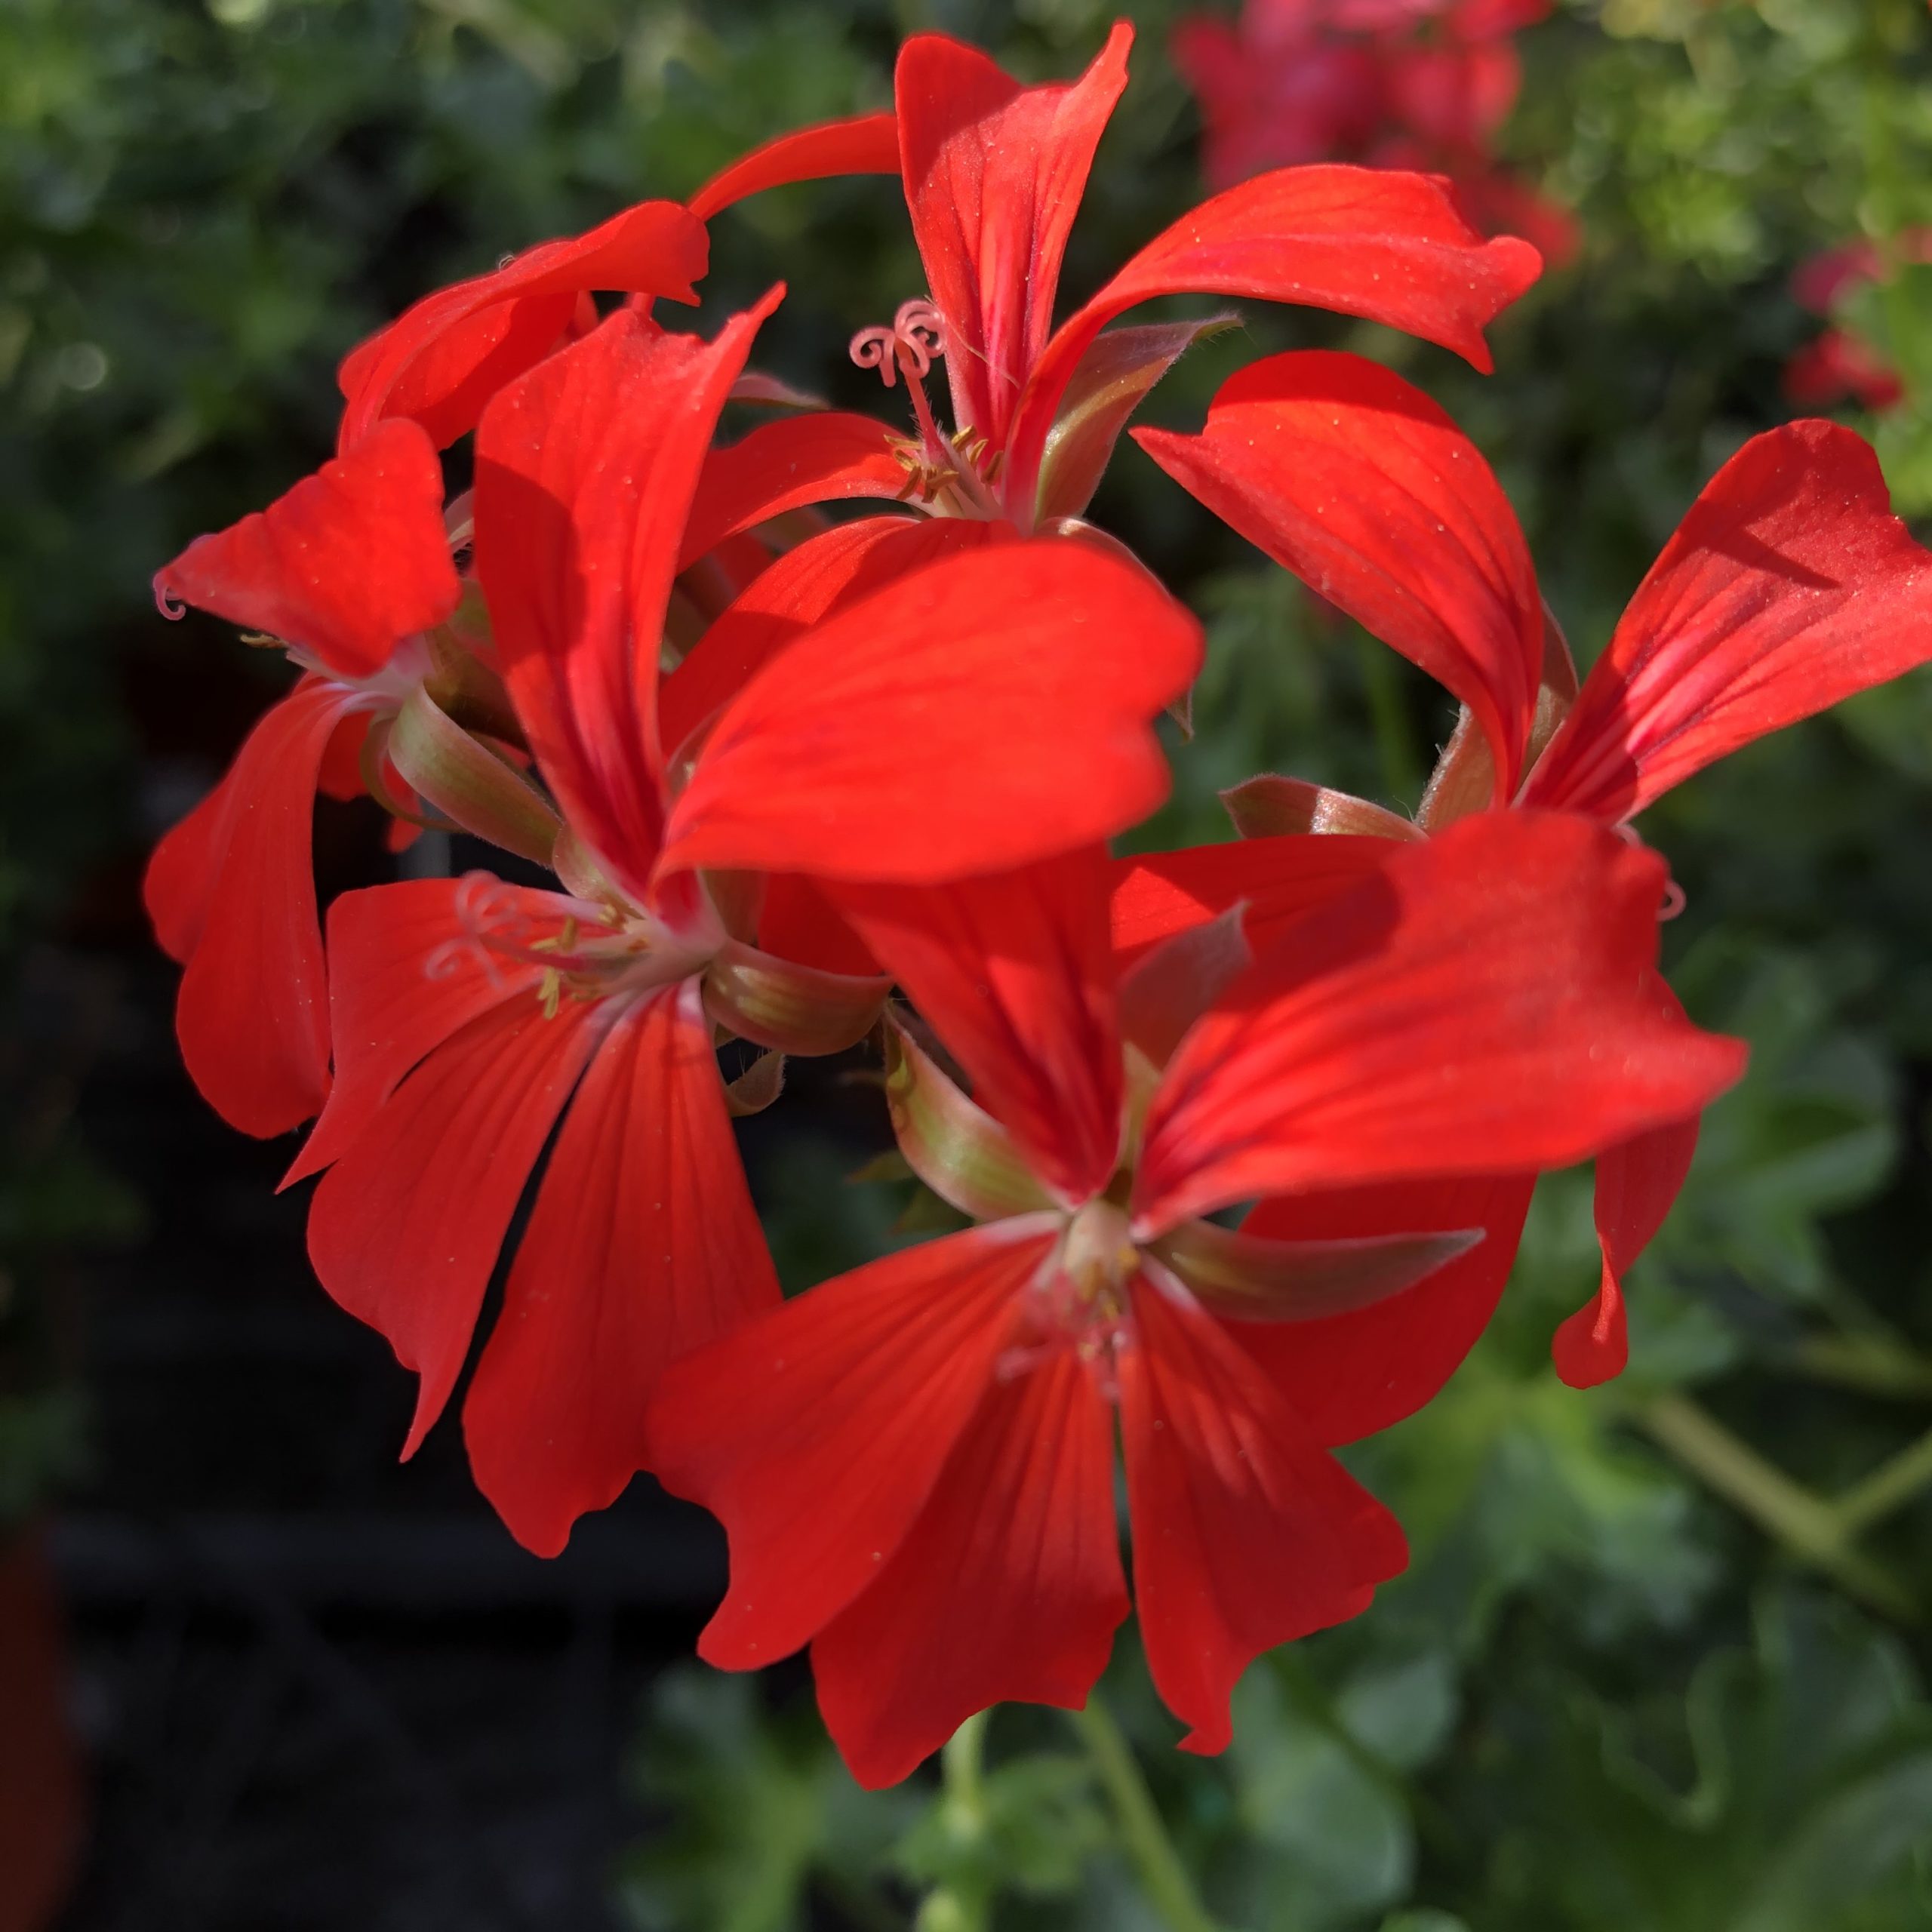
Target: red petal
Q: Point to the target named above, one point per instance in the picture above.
(1788, 586)
(821, 458)
(1245, 1535)
(1007, 1589)
(865, 144)
(1278, 880)
(1637, 1183)
(817, 1434)
(443, 359)
(347, 565)
(1350, 477)
(405, 1228)
(796, 922)
(994, 174)
(1014, 972)
(584, 469)
(644, 1244)
(991, 710)
(232, 891)
(1365, 241)
(820, 577)
(1352, 1374)
(1480, 1007)
(407, 968)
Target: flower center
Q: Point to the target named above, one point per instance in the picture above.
(948, 475)
(586, 949)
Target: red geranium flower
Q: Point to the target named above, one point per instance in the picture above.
(1841, 364)
(914, 1463)
(984, 711)
(1788, 585)
(348, 572)
(993, 173)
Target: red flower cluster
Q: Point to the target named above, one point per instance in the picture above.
(1424, 84)
(769, 778)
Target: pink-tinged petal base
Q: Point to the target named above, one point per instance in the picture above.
(817, 1435)
(232, 891)
(1006, 1589)
(345, 566)
(643, 1245)
(1246, 1535)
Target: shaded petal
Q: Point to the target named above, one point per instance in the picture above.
(1788, 585)
(1637, 1183)
(408, 966)
(585, 468)
(232, 891)
(821, 458)
(1245, 1534)
(1482, 1005)
(643, 1245)
(1350, 477)
(988, 710)
(865, 144)
(1277, 881)
(351, 562)
(443, 358)
(817, 1434)
(1375, 242)
(797, 921)
(1351, 1374)
(1014, 972)
(994, 173)
(819, 577)
(1006, 1589)
(405, 1228)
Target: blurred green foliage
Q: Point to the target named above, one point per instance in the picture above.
(1659, 1661)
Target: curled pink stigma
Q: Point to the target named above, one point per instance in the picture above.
(914, 343)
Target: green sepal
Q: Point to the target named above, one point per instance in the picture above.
(794, 1009)
(1254, 1279)
(473, 786)
(955, 1147)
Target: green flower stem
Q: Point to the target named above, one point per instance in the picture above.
(1887, 1488)
(1812, 1530)
(1163, 1877)
(961, 1906)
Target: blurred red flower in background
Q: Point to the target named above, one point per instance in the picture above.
(1840, 365)
(1413, 83)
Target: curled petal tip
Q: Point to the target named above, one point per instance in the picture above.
(169, 606)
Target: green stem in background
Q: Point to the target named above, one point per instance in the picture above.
(1871, 1363)
(1887, 1488)
(1157, 1864)
(1395, 741)
(1812, 1530)
(963, 1906)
